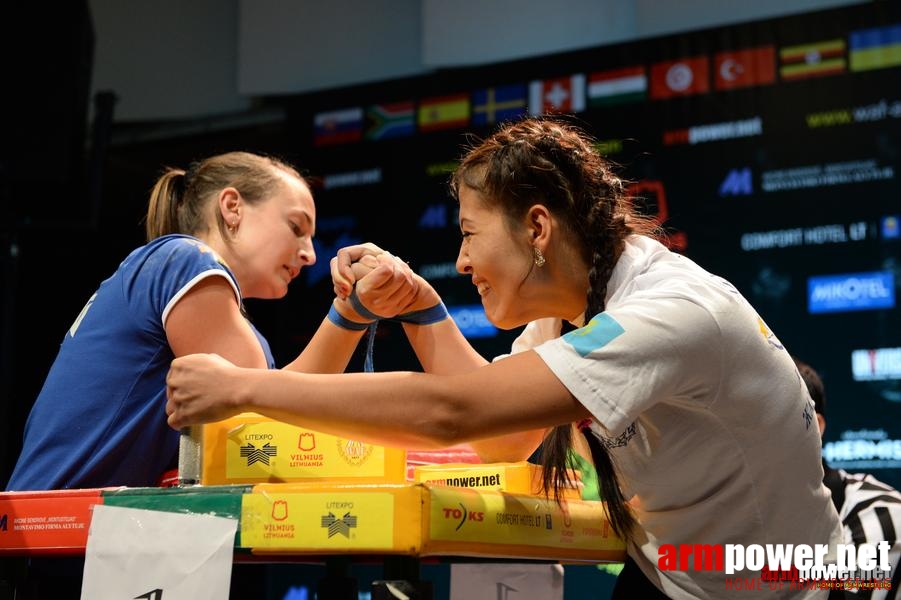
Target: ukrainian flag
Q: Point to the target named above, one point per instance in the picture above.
(876, 48)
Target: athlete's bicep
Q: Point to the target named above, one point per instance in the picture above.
(516, 394)
(208, 319)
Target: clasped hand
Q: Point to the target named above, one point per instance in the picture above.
(384, 284)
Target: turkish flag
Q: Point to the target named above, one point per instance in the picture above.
(682, 77)
(744, 68)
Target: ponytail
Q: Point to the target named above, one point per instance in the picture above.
(162, 210)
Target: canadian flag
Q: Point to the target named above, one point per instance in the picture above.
(561, 95)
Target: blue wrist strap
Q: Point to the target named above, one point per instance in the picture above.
(368, 366)
(338, 319)
(426, 316)
(358, 306)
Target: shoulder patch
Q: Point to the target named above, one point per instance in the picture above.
(600, 331)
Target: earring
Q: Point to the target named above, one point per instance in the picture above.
(539, 257)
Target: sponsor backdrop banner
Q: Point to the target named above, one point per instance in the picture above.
(769, 150)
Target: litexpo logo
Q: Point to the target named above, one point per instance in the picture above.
(810, 562)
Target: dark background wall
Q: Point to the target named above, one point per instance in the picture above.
(92, 123)
(105, 93)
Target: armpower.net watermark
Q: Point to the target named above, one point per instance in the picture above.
(785, 566)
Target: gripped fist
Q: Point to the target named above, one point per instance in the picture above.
(201, 388)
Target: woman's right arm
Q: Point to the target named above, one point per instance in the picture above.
(440, 347)
(412, 410)
(208, 319)
(442, 350)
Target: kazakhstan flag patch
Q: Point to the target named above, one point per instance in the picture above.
(600, 331)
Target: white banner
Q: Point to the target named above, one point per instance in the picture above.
(147, 554)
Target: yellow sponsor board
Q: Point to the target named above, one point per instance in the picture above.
(420, 520)
(331, 519)
(517, 477)
(250, 448)
(481, 522)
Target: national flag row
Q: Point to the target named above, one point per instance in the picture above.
(868, 49)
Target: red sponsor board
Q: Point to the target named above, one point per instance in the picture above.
(54, 522)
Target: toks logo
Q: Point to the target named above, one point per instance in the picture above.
(461, 515)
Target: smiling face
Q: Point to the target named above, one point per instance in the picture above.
(274, 240)
(496, 255)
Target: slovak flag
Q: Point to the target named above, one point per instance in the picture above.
(561, 95)
(682, 77)
(338, 126)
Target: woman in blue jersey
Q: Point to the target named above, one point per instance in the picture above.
(698, 423)
(233, 226)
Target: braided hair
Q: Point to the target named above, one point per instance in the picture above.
(545, 160)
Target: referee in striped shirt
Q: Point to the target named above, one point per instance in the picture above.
(869, 509)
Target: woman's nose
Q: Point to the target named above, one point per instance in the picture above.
(307, 254)
(462, 262)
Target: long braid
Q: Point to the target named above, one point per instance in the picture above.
(610, 230)
(547, 161)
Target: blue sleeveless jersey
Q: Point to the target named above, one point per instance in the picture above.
(100, 418)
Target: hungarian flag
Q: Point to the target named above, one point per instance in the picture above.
(812, 60)
(682, 77)
(443, 112)
(560, 95)
(744, 68)
(617, 86)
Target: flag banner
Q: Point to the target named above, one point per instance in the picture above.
(496, 104)
(617, 86)
(877, 48)
(338, 126)
(812, 60)
(560, 95)
(683, 77)
(444, 112)
(744, 68)
(390, 121)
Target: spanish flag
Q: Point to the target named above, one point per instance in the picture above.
(877, 48)
(443, 112)
(812, 60)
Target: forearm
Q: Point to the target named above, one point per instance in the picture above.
(329, 350)
(509, 448)
(442, 349)
(366, 407)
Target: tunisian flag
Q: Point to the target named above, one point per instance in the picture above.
(682, 77)
(744, 68)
